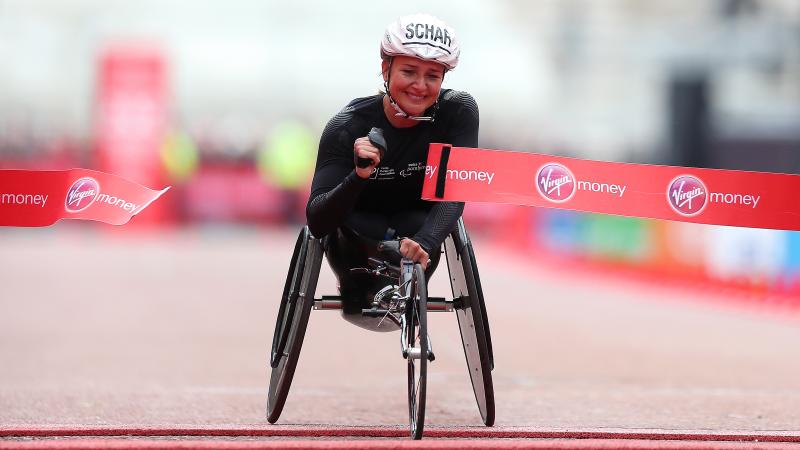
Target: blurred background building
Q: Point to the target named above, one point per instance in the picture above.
(207, 95)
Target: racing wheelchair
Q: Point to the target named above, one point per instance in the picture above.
(402, 304)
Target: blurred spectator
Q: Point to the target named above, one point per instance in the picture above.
(179, 155)
(287, 160)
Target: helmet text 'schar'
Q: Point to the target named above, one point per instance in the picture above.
(429, 32)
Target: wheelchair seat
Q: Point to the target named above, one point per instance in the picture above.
(345, 249)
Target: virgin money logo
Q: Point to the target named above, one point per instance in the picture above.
(555, 182)
(687, 195)
(81, 194)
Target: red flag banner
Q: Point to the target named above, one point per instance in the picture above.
(38, 198)
(710, 196)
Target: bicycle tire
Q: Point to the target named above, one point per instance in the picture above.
(474, 334)
(282, 375)
(416, 323)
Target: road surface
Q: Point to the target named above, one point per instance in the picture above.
(172, 329)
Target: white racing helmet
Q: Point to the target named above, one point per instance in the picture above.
(422, 36)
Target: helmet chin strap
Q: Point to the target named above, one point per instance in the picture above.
(399, 111)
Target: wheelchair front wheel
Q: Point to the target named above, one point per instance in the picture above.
(293, 315)
(415, 333)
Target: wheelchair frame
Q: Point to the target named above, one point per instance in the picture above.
(467, 301)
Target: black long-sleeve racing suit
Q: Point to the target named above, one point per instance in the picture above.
(388, 204)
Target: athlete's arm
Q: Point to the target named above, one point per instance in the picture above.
(443, 216)
(336, 185)
(441, 220)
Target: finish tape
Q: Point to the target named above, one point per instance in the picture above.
(709, 196)
(38, 198)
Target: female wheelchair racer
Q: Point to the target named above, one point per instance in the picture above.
(366, 192)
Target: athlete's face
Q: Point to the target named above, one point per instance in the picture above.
(414, 84)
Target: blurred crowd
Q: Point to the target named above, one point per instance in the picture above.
(240, 106)
(214, 179)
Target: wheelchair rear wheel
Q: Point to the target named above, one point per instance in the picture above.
(291, 290)
(293, 314)
(415, 334)
(473, 324)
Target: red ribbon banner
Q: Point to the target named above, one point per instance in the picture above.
(38, 198)
(710, 196)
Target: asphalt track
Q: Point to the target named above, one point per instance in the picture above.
(160, 341)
